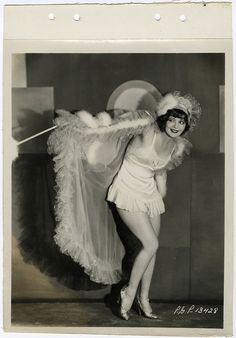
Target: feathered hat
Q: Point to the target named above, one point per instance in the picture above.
(187, 103)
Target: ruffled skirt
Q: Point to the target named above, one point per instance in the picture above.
(129, 200)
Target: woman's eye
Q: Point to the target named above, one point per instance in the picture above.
(182, 122)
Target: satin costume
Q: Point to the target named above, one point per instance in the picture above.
(134, 188)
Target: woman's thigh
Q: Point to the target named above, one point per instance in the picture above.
(140, 225)
(156, 223)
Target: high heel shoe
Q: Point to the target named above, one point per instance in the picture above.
(145, 312)
(124, 313)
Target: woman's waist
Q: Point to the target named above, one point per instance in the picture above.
(133, 168)
(149, 164)
(143, 188)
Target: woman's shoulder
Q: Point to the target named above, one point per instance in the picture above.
(148, 134)
(144, 139)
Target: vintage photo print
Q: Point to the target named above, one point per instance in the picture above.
(118, 163)
(51, 283)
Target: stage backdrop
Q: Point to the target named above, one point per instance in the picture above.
(190, 259)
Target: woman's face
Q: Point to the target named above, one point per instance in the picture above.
(175, 126)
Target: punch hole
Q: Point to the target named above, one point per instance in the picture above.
(76, 17)
(157, 16)
(51, 16)
(182, 18)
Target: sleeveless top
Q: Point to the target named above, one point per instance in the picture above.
(134, 188)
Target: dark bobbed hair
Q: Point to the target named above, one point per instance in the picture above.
(161, 120)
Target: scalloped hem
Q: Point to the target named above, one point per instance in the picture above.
(98, 272)
(129, 202)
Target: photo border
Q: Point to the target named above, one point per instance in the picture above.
(112, 46)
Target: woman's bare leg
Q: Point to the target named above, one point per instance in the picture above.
(147, 276)
(139, 223)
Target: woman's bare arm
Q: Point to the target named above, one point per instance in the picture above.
(144, 139)
(161, 179)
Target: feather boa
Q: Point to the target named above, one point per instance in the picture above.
(86, 128)
(76, 139)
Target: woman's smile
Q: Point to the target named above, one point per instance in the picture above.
(174, 130)
(175, 126)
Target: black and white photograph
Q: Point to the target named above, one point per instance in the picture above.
(118, 183)
(118, 190)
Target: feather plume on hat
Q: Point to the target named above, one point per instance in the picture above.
(187, 103)
(169, 101)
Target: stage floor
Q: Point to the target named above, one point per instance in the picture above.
(97, 314)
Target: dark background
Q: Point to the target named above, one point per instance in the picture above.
(191, 255)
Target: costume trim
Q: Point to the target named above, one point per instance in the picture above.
(69, 143)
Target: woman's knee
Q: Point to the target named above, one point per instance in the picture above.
(142, 229)
(151, 246)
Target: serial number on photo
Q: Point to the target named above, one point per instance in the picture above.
(183, 309)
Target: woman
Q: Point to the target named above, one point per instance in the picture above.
(88, 152)
(137, 192)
